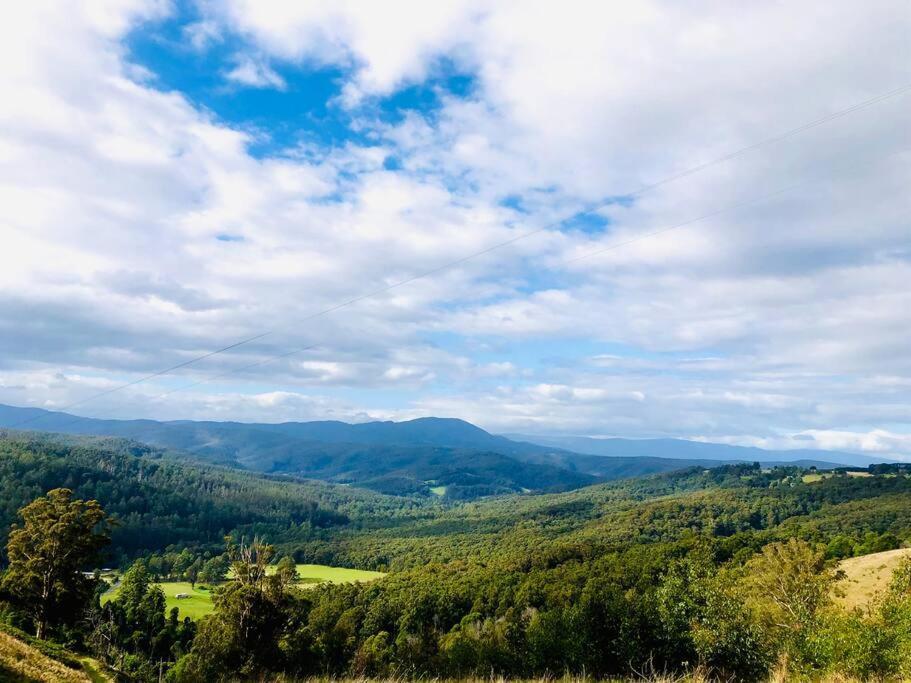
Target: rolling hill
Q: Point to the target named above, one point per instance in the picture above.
(413, 457)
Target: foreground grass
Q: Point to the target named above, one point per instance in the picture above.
(778, 676)
(866, 576)
(23, 663)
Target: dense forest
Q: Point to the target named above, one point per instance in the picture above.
(727, 571)
(159, 503)
(449, 458)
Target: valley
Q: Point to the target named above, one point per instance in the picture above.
(446, 458)
(399, 572)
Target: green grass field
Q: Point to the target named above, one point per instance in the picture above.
(319, 573)
(438, 490)
(199, 604)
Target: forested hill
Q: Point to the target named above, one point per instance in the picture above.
(608, 580)
(160, 503)
(740, 506)
(446, 457)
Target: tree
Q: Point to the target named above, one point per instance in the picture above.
(251, 613)
(192, 572)
(215, 570)
(133, 588)
(791, 582)
(58, 538)
(787, 586)
(286, 571)
(182, 564)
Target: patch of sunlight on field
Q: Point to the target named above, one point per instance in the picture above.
(867, 575)
(438, 490)
(319, 573)
(197, 605)
(323, 573)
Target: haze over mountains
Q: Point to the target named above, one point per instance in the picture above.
(685, 449)
(443, 456)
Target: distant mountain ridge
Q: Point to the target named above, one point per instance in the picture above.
(685, 449)
(443, 456)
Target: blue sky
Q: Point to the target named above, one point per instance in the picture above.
(181, 175)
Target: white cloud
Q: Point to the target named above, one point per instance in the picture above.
(388, 43)
(255, 74)
(138, 231)
(202, 34)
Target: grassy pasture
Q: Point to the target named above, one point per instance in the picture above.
(320, 573)
(814, 477)
(199, 604)
(867, 575)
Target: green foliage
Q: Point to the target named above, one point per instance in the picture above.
(728, 570)
(159, 504)
(58, 539)
(787, 584)
(215, 569)
(133, 633)
(242, 636)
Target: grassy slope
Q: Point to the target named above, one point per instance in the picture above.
(21, 662)
(867, 575)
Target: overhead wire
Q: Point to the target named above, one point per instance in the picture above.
(859, 106)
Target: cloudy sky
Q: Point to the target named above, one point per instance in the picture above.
(178, 176)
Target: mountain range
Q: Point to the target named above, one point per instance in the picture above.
(431, 456)
(685, 449)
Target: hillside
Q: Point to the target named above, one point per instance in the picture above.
(159, 502)
(402, 458)
(599, 563)
(24, 660)
(867, 576)
(737, 505)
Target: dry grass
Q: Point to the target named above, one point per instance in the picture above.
(867, 575)
(779, 675)
(21, 662)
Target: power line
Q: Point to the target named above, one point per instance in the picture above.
(611, 247)
(859, 106)
(616, 245)
(205, 380)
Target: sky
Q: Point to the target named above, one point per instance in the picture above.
(179, 176)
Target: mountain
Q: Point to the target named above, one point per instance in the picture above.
(423, 456)
(446, 457)
(689, 450)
